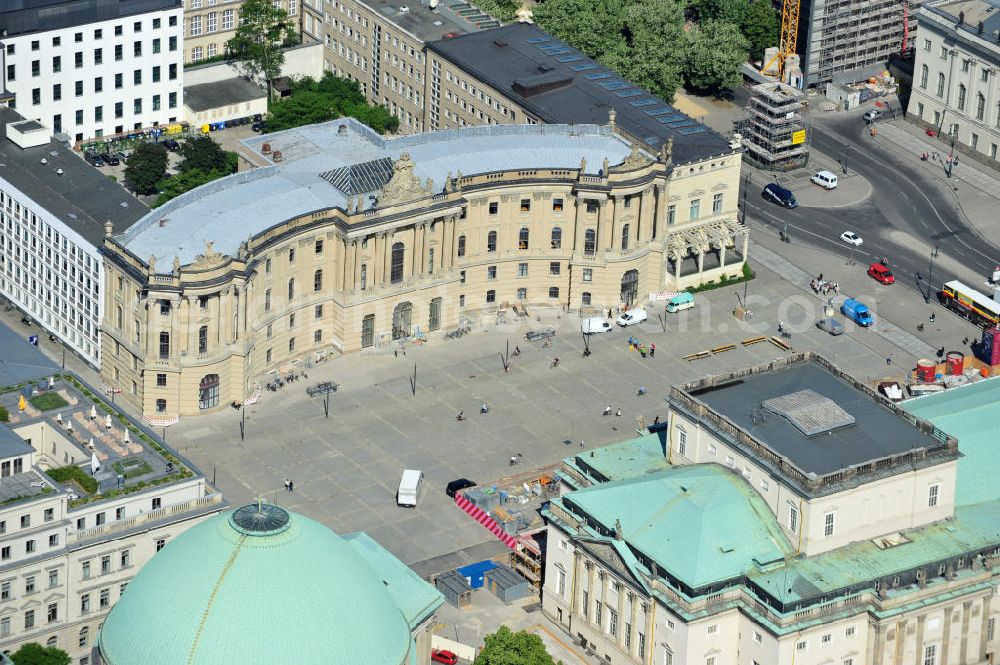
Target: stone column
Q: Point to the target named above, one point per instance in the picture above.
(984, 612)
(722, 254)
(607, 224)
(592, 573)
(222, 317)
(701, 261)
(646, 216)
(579, 223)
(660, 211)
(945, 636)
(339, 264)
(416, 261)
(620, 637)
(387, 242)
(191, 341)
(632, 618)
(964, 642)
(921, 619)
(746, 245)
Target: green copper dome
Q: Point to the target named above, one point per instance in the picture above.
(258, 585)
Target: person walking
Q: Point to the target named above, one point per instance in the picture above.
(888, 360)
(287, 483)
(618, 412)
(291, 485)
(607, 410)
(652, 349)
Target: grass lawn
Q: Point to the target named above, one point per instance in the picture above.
(132, 467)
(47, 401)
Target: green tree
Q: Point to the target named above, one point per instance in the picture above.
(146, 167)
(505, 647)
(36, 654)
(760, 26)
(714, 54)
(203, 153)
(595, 27)
(731, 11)
(654, 33)
(256, 45)
(314, 101)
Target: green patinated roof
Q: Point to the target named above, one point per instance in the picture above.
(971, 415)
(414, 597)
(700, 522)
(297, 593)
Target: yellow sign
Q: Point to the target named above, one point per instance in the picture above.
(22, 404)
(799, 137)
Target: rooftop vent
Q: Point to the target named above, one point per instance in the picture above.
(404, 10)
(59, 172)
(260, 519)
(163, 222)
(499, 43)
(266, 148)
(810, 412)
(276, 156)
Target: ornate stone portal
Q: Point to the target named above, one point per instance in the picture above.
(404, 185)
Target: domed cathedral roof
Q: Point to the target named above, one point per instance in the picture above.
(257, 585)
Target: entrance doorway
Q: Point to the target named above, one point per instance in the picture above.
(401, 319)
(208, 391)
(630, 287)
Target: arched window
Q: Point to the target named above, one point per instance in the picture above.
(940, 85)
(267, 300)
(208, 391)
(522, 238)
(52, 641)
(491, 241)
(924, 73)
(625, 231)
(556, 238)
(590, 242)
(84, 638)
(164, 344)
(364, 276)
(434, 319)
(461, 246)
(318, 280)
(291, 288)
(961, 97)
(203, 339)
(396, 265)
(980, 106)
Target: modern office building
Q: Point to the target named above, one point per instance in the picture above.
(263, 584)
(209, 24)
(54, 210)
(956, 77)
(86, 499)
(339, 239)
(88, 68)
(785, 514)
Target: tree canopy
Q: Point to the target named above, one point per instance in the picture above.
(35, 654)
(256, 45)
(506, 647)
(660, 44)
(146, 167)
(330, 97)
(203, 161)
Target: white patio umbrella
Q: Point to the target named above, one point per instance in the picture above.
(93, 412)
(107, 421)
(59, 417)
(126, 436)
(90, 444)
(69, 425)
(52, 382)
(95, 464)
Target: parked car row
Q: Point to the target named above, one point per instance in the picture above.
(105, 159)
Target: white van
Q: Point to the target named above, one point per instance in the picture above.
(825, 179)
(409, 488)
(595, 324)
(632, 317)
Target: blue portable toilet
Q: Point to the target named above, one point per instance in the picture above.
(475, 573)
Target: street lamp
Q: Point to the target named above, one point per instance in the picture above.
(930, 273)
(746, 188)
(847, 146)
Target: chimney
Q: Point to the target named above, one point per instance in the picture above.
(108, 227)
(266, 149)
(276, 156)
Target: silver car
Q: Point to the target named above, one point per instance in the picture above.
(831, 325)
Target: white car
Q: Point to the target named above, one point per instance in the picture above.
(872, 115)
(632, 317)
(851, 238)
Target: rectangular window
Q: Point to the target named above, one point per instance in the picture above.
(105, 598)
(671, 214)
(828, 524)
(793, 519)
(588, 274)
(930, 654)
(29, 584)
(105, 564)
(557, 205)
(522, 269)
(612, 622)
(85, 603)
(932, 496)
(717, 204)
(78, 59)
(137, 77)
(597, 613)
(99, 84)
(78, 88)
(318, 312)
(125, 559)
(160, 544)
(52, 612)
(554, 268)
(57, 64)
(29, 619)
(695, 210)
(494, 207)
(119, 53)
(156, 74)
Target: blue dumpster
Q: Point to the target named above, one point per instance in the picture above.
(474, 573)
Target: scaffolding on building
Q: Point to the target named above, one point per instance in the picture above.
(853, 37)
(773, 128)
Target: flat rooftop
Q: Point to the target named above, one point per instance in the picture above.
(878, 430)
(206, 96)
(82, 198)
(31, 16)
(82, 427)
(559, 84)
(451, 17)
(322, 168)
(972, 12)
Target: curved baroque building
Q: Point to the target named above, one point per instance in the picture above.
(336, 239)
(261, 584)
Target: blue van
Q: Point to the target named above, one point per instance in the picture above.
(778, 194)
(858, 312)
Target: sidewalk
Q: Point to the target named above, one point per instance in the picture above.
(976, 190)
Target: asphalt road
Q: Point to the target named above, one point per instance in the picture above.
(905, 205)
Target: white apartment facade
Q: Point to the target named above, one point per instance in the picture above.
(956, 76)
(87, 75)
(54, 210)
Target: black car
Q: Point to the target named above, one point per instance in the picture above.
(110, 158)
(778, 194)
(171, 145)
(94, 159)
(458, 485)
(257, 126)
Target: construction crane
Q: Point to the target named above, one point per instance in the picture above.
(789, 37)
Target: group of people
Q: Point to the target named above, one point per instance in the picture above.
(635, 344)
(289, 485)
(820, 286)
(607, 411)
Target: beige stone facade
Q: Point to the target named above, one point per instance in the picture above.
(199, 336)
(209, 24)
